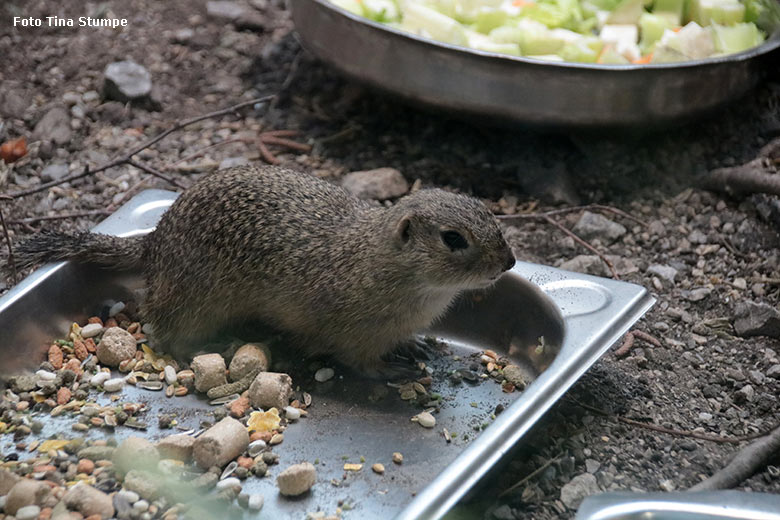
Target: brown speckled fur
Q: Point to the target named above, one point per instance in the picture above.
(303, 255)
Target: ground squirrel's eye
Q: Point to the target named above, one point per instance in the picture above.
(454, 240)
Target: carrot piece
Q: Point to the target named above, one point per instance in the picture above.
(643, 60)
(522, 3)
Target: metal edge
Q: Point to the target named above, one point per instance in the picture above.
(704, 504)
(770, 44)
(491, 445)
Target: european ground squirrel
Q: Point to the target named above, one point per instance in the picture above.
(343, 276)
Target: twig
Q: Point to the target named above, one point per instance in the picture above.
(746, 462)
(670, 431)
(92, 213)
(625, 348)
(201, 151)
(127, 158)
(528, 477)
(11, 261)
(755, 176)
(281, 141)
(266, 153)
(152, 171)
(644, 336)
(584, 244)
(562, 211)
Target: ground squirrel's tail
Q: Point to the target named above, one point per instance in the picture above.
(107, 250)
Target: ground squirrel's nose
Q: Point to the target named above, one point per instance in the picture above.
(510, 261)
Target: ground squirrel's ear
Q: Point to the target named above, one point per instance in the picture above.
(401, 233)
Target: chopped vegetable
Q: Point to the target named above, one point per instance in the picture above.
(587, 31)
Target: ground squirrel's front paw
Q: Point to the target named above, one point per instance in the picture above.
(390, 370)
(416, 349)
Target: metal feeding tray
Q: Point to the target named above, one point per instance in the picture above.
(352, 418)
(495, 88)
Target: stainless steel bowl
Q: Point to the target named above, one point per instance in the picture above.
(498, 88)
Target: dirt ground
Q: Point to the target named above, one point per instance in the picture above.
(715, 252)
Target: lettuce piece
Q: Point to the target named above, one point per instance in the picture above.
(483, 43)
(736, 38)
(550, 15)
(430, 23)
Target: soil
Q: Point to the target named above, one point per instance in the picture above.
(723, 251)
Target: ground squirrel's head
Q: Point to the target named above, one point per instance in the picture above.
(451, 240)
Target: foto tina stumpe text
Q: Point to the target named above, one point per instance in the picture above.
(81, 21)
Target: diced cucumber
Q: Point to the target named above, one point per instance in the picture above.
(673, 9)
(651, 28)
(431, 23)
(627, 12)
(583, 51)
(550, 15)
(489, 18)
(381, 10)
(692, 41)
(611, 56)
(726, 12)
(736, 38)
(353, 6)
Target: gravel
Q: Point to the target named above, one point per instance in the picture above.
(297, 479)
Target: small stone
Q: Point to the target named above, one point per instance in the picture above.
(378, 468)
(503, 512)
(277, 438)
(744, 394)
(54, 172)
(95, 453)
(141, 505)
(85, 466)
(99, 378)
(116, 309)
(114, 385)
(7, 481)
(592, 466)
(144, 483)
(177, 447)
(249, 358)
(575, 491)
(115, 346)
(292, 413)
(297, 479)
(379, 184)
(255, 448)
(170, 374)
(89, 501)
(704, 416)
(516, 375)
(270, 390)
(324, 374)
(773, 372)
(25, 492)
(255, 502)
(209, 371)
(135, 453)
(398, 458)
(592, 225)
(696, 295)
(28, 513)
(224, 10)
(129, 496)
(668, 485)
(587, 264)
(664, 272)
(230, 482)
(54, 126)
(220, 444)
(91, 330)
(126, 81)
(756, 319)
